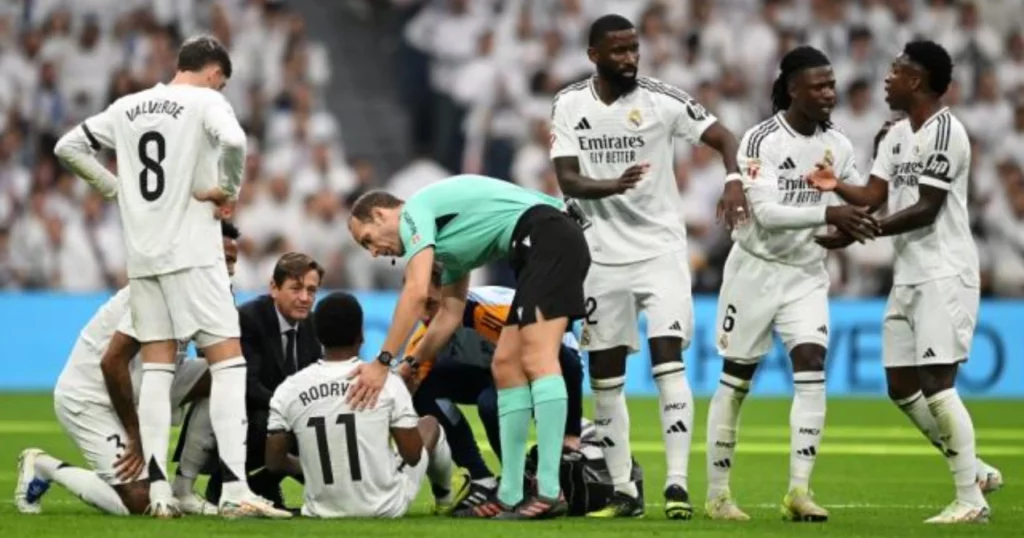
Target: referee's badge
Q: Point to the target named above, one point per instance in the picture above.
(635, 118)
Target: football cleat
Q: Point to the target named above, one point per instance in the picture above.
(799, 505)
(723, 508)
(960, 512)
(677, 503)
(195, 505)
(163, 509)
(537, 508)
(620, 505)
(29, 488)
(252, 506)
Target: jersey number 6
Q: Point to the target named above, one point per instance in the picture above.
(152, 166)
(729, 321)
(319, 425)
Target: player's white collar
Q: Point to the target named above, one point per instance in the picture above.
(780, 117)
(592, 86)
(932, 117)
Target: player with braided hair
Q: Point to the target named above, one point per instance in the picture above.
(775, 276)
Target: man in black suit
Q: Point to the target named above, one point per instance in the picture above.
(278, 339)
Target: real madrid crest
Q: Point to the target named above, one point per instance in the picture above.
(829, 157)
(635, 118)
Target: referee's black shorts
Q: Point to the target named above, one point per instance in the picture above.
(550, 258)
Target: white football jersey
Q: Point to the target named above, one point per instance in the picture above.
(774, 160)
(168, 141)
(82, 377)
(937, 155)
(347, 460)
(640, 127)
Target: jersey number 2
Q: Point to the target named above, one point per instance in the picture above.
(151, 166)
(319, 425)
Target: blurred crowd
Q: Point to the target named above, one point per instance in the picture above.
(488, 70)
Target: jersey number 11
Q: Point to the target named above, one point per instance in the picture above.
(319, 425)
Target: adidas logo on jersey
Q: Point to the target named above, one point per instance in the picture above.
(823, 330)
(583, 125)
(723, 464)
(675, 327)
(605, 442)
(929, 354)
(678, 427)
(788, 164)
(896, 149)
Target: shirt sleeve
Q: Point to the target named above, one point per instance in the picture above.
(277, 420)
(403, 415)
(220, 122)
(563, 142)
(882, 164)
(77, 151)
(689, 119)
(417, 228)
(757, 166)
(99, 130)
(941, 157)
(847, 169)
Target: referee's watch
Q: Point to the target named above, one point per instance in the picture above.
(385, 358)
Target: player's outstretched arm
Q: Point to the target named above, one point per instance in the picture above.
(76, 151)
(919, 215)
(443, 326)
(117, 378)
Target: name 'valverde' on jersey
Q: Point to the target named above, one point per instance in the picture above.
(937, 155)
(774, 160)
(641, 126)
(167, 140)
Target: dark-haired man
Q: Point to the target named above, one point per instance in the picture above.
(180, 152)
(278, 339)
(612, 144)
(346, 461)
(775, 278)
(922, 170)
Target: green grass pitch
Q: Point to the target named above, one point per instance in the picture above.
(876, 474)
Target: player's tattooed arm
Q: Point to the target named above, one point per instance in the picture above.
(919, 215)
(575, 185)
(118, 380)
(277, 457)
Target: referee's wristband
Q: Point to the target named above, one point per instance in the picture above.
(735, 176)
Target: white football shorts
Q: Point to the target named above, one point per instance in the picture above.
(194, 303)
(96, 430)
(616, 294)
(758, 296)
(929, 323)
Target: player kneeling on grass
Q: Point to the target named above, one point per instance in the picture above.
(346, 461)
(775, 277)
(95, 402)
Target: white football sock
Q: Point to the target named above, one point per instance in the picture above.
(806, 425)
(956, 430)
(440, 467)
(675, 401)
(198, 444)
(230, 425)
(916, 408)
(155, 425)
(86, 485)
(611, 420)
(723, 423)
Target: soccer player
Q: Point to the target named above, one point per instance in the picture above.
(465, 222)
(461, 374)
(612, 146)
(179, 147)
(775, 276)
(95, 404)
(346, 461)
(922, 170)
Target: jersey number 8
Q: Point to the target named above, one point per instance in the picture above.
(152, 166)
